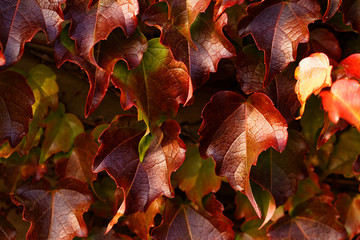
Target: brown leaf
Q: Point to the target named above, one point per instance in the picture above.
(351, 10)
(322, 40)
(349, 209)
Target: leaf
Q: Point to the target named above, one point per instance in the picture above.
(310, 220)
(221, 5)
(356, 165)
(196, 176)
(235, 131)
(313, 74)
(278, 27)
(93, 21)
(250, 230)
(332, 7)
(202, 51)
(145, 181)
(351, 65)
(182, 221)
(79, 164)
(16, 98)
(20, 20)
(2, 57)
(55, 214)
(329, 129)
(349, 209)
(7, 230)
(61, 130)
(280, 172)
(342, 101)
(156, 87)
(244, 208)
(324, 41)
(351, 9)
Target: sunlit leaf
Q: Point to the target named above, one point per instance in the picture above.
(349, 209)
(351, 65)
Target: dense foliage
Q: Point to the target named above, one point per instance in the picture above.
(240, 119)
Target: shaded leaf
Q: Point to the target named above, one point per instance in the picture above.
(32, 166)
(234, 13)
(310, 220)
(112, 235)
(16, 98)
(156, 87)
(324, 41)
(55, 214)
(61, 130)
(235, 131)
(332, 7)
(7, 230)
(349, 209)
(356, 165)
(222, 5)
(278, 27)
(20, 20)
(329, 129)
(251, 230)
(145, 181)
(183, 221)
(280, 172)
(80, 161)
(93, 21)
(244, 208)
(313, 74)
(196, 176)
(202, 52)
(351, 10)
(342, 101)
(351, 65)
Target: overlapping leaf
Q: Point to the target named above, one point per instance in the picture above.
(16, 98)
(351, 10)
(7, 230)
(329, 129)
(235, 131)
(184, 222)
(278, 27)
(351, 65)
(20, 20)
(202, 51)
(156, 87)
(142, 182)
(349, 209)
(222, 5)
(323, 40)
(93, 21)
(356, 165)
(342, 101)
(310, 220)
(55, 214)
(332, 7)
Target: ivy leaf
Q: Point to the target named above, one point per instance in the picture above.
(93, 21)
(61, 130)
(329, 129)
(196, 176)
(7, 230)
(55, 213)
(2, 57)
(202, 52)
(342, 101)
(322, 40)
(351, 10)
(309, 220)
(280, 172)
(231, 131)
(349, 209)
(156, 87)
(278, 27)
(79, 164)
(145, 181)
(351, 65)
(313, 74)
(16, 98)
(332, 7)
(183, 221)
(222, 5)
(20, 20)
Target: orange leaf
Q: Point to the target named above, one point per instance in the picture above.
(313, 74)
(351, 65)
(343, 101)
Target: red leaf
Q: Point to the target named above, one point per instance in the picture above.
(184, 222)
(221, 5)
(20, 20)
(343, 101)
(351, 10)
(93, 21)
(349, 209)
(278, 27)
(235, 131)
(351, 65)
(310, 220)
(202, 51)
(322, 40)
(329, 129)
(332, 7)
(2, 57)
(55, 214)
(16, 98)
(142, 182)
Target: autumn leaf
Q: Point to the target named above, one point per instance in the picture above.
(332, 7)
(349, 209)
(329, 129)
(196, 176)
(342, 101)
(310, 220)
(61, 130)
(16, 98)
(2, 57)
(278, 27)
(356, 165)
(351, 65)
(7, 230)
(231, 131)
(20, 20)
(79, 164)
(202, 51)
(222, 5)
(93, 21)
(183, 221)
(250, 230)
(244, 208)
(313, 74)
(324, 41)
(351, 9)
(145, 181)
(156, 87)
(55, 213)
